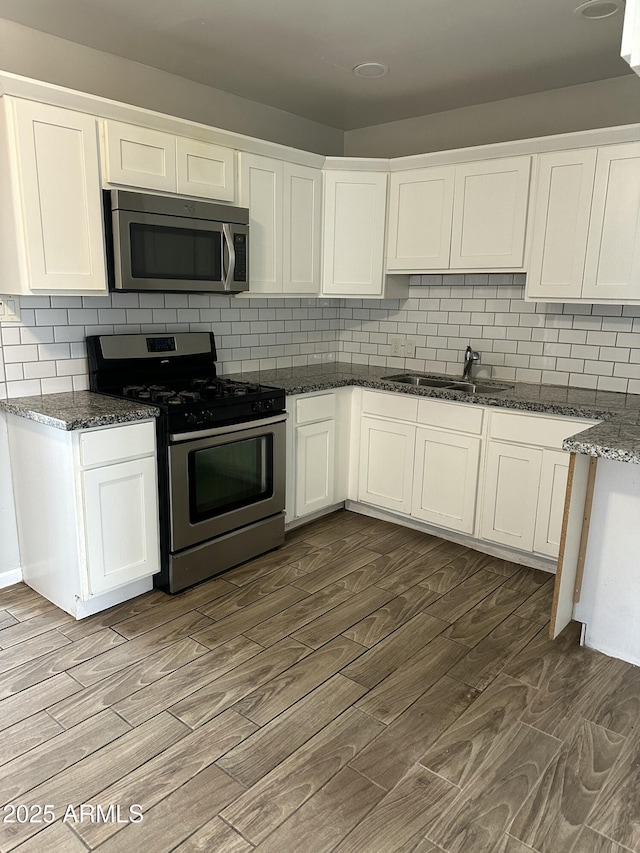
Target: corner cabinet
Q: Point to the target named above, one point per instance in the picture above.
(92, 496)
(51, 205)
(151, 159)
(420, 219)
(285, 205)
(354, 230)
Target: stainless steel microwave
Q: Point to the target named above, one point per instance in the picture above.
(171, 244)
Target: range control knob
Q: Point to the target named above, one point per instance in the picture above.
(255, 406)
(268, 405)
(192, 419)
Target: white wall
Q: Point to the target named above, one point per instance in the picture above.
(605, 103)
(45, 57)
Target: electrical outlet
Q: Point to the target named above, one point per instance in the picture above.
(396, 342)
(410, 348)
(9, 309)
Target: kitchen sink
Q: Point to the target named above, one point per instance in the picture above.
(448, 384)
(422, 381)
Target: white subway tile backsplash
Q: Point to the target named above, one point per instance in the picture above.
(587, 346)
(51, 317)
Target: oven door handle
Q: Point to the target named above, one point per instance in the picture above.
(229, 429)
(229, 254)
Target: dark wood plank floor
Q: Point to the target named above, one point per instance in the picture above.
(364, 689)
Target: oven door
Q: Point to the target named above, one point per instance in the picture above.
(171, 253)
(226, 477)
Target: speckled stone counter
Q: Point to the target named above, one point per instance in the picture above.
(78, 410)
(618, 437)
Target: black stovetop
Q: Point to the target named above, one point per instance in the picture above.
(177, 373)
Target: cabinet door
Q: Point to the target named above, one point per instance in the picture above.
(612, 269)
(139, 157)
(315, 466)
(59, 178)
(261, 181)
(445, 479)
(121, 523)
(205, 170)
(420, 213)
(561, 224)
(490, 214)
(386, 464)
(553, 486)
(354, 228)
(302, 229)
(511, 494)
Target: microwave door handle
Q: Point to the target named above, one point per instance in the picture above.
(229, 254)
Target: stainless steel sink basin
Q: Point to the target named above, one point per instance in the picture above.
(423, 381)
(448, 384)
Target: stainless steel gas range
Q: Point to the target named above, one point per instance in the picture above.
(221, 450)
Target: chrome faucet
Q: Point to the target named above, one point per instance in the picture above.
(470, 356)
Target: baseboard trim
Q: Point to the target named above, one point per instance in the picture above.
(500, 551)
(10, 578)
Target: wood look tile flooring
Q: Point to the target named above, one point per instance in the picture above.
(364, 689)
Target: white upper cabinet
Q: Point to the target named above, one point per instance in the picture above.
(285, 205)
(205, 170)
(467, 217)
(302, 228)
(51, 208)
(354, 231)
(420, 216)
(562, 208)
(490, 214)
(154, 160)
(612, 269)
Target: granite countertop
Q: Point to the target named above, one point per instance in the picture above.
(78, 410)
(617, 437)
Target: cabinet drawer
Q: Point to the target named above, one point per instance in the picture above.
(455, 416)
(320, 408)
(538, 430)
(103, 446)
(400, 407)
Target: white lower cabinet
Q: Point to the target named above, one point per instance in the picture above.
(87, 511)
(445, 481)
(122, 498)
(511, 495)
(386, 464)
(317, 451)
(553, 486)
(315, 467)
(525, 480)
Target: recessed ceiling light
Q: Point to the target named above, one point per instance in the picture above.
(371, 69)
(596, 9)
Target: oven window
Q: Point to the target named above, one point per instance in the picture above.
(230, 476)
(182, 254)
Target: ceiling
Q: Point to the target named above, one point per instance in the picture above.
(298, 55)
